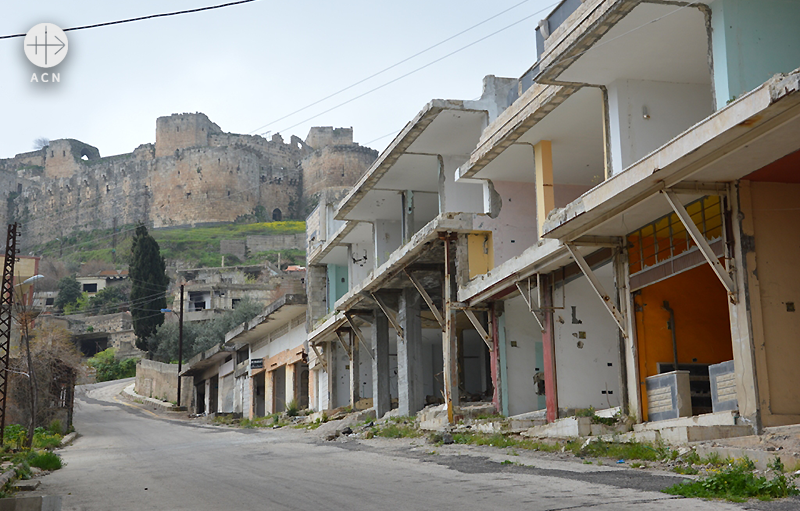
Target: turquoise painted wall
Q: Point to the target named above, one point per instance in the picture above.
(752, 40)
(337, 284)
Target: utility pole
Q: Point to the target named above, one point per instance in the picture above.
(180, 347)
(6, 304)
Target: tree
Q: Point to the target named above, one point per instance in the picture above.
(148, 286)
(69, 290)
(200, 337)
(41, 143)
(108, 300)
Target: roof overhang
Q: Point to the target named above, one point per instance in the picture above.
(515, 121)
(274, 316)
(327, 329)
(407, 254)
(201, 362)
(753, 131)
(425, 136)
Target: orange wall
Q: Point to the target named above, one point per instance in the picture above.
(702, 324)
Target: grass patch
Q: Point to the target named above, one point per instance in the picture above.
(198, 246)
(498, 440)
(396, 430)
(626, 451)
(737, 483)
(46, 460)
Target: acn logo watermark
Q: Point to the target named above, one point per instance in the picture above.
(46, 46)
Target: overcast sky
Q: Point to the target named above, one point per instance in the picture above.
(248, 65)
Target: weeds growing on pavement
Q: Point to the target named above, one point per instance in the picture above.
(737, 482)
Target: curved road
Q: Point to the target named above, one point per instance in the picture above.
(132, 459)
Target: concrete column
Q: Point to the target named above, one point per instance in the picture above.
(747, 328)
(330, 354)
(411, 398)
(313, 374)
(380, 364)
(408, 215)
(449, 339)
(208, 397)
(355, 376)
(548, 351)
(497, 376)
(545, 197)
(269, 393)
(250, 411)
(290, 384)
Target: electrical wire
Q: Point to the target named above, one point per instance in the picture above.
(429, 48)
(141, 18)
(394, 80)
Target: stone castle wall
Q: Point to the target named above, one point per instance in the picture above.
(335, 166)
(194, 174)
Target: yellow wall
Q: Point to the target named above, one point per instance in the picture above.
(480, 253)
(776, 219)
(702, 323)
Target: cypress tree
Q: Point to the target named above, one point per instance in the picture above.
(148, 286)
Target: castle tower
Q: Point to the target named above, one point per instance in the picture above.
(181, 131)
(336, 163)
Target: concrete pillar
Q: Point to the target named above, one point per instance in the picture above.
(330, 354)
(408, 215)
(380, 364)
(494, 355)
(208, 397)
(449, 339)
(313, 374)
(548, 351)
(545, 197)
(411, 398)
(269, 393)
(355, 376)
(747, 328)
(291, 384)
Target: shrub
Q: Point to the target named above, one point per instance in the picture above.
(44, 439)
(108, 368)
(14, 436)
(292, 408)
(46, 461)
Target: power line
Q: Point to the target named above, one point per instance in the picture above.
(429, 48)
(473, 43)
(141, 18)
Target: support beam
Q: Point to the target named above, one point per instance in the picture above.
(598, 288)
(706, 188)
(481, 331)
(319, 356)
(702, 244)
(344, 344)
(390, 315)
(537, 312)
(358, 333)
(426, 297)
(598, 241)
(545, 196)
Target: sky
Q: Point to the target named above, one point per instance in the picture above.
(249, 65)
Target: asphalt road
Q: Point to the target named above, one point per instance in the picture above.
(133, 459)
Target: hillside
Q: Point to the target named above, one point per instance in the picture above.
(193, 247)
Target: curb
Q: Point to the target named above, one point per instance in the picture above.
(149, 401)
(69, 439)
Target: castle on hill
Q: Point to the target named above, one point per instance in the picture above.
(194, 174)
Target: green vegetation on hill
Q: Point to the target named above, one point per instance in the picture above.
(198, 246)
